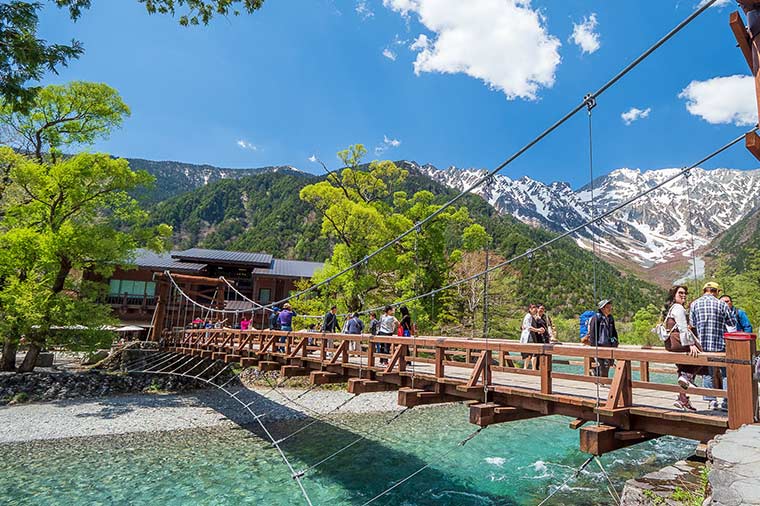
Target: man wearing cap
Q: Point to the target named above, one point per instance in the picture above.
(274, 319)
(602, 332)
(712, 318)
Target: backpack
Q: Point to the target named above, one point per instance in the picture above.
(584, 318)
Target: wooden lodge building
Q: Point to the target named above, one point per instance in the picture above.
(132, 291)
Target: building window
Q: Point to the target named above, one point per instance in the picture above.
(130, 287)
(264, 295)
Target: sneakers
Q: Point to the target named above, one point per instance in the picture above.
(685, 382)
(684, 405)
(713, 406)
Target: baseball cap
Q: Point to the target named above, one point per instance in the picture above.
(604, 302)
(711, 285)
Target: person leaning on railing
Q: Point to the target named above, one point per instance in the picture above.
(681, 339)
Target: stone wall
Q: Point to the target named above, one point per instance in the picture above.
(735, 468)
(50, 386)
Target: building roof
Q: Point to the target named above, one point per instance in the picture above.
(290, 268)
(146, 259)
(237, 258)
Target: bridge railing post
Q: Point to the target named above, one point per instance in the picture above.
(545, 367)
(742, 387)
(439, 358)
(644, 371)
(370, 353)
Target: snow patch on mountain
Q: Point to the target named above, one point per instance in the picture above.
(656, 228)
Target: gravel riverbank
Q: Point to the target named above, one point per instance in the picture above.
(124, 414)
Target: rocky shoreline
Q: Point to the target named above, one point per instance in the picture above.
(155, 412)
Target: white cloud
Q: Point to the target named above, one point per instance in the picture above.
(389, 54)
(634, 114)
(719, 3)
(585, 35)
(728, 99)
(504, 43)
(386, 145)
(421, 43)
(363, 10)
(243, 144)
(313, 158)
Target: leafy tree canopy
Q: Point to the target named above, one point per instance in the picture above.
(62, 116)
(60, 220)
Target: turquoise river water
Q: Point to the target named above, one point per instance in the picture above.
(518, 463)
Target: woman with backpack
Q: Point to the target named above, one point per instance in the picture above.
(680, 339)
(406, 322)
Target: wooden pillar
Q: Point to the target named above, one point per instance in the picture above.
(751, 51)
(587, 366)
(439, 358)
(742, 387)
(545, 367)
(371, 354)
(162, 296)
(644, 371)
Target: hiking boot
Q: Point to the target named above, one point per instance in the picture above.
(685, 382)
(684, 405)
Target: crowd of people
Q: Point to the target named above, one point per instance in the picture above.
(700, 329)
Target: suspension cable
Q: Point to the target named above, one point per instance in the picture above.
(590, 105)
(512, 158)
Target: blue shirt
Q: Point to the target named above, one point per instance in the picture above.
(742, 321)
(354, 326)
(710, 316)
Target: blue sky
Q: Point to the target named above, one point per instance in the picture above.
(301, 78)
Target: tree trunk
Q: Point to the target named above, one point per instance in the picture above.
(31, 358)
(8, 361)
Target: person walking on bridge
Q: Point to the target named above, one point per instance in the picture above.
(330, 325)
(681, 339)
(388, 326)
(285, 318)
(529, 331)
(602, 333)
(712, 318)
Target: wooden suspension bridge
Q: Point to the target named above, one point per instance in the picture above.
(429, 370)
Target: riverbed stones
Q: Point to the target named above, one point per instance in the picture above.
(660, 487)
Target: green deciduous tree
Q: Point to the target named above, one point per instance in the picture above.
(63, 219)
(362, 210)
(23, 56)
(77, 113)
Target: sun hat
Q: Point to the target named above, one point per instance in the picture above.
(604, 302)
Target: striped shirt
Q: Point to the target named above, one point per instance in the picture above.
(711, 317)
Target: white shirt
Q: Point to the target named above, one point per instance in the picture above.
(526, 324)
(678, 313)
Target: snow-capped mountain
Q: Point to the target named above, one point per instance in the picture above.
(655, 228)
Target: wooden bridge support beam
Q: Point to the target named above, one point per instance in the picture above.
(363, 386)
(489, 413)
(600, 439)
(410, 397)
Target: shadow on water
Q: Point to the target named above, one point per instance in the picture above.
(370, 465)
